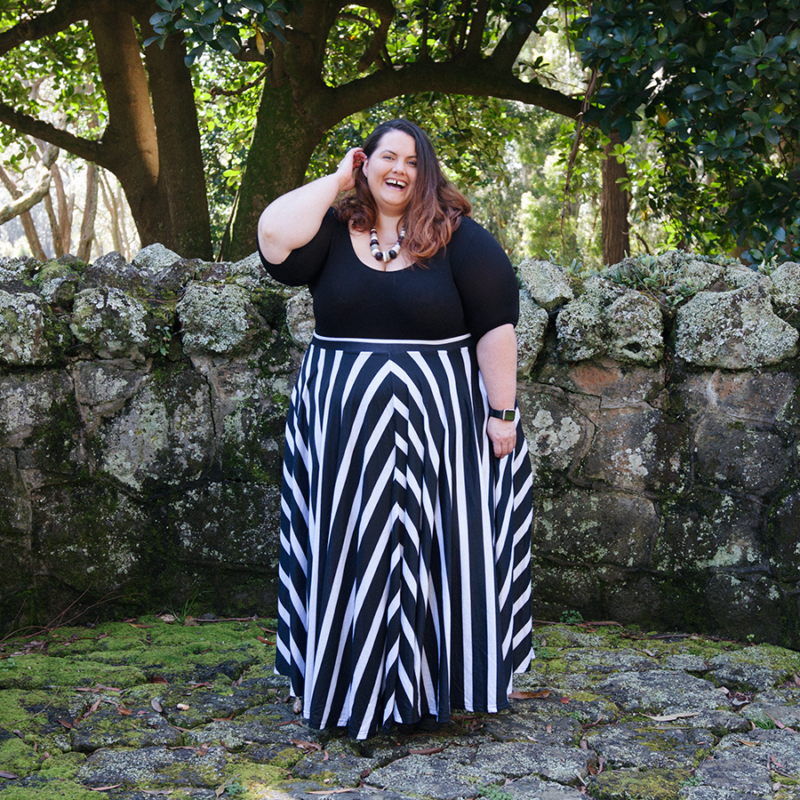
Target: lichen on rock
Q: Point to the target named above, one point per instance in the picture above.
(111, 322)
(547, 283)
(29, 333)
(218, 319)
(734, 330)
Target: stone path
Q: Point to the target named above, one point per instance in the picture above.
(146, 709)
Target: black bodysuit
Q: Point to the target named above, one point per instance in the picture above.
(468, 287)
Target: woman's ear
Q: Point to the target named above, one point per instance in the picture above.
(364, 166)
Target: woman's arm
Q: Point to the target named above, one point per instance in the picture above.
(295, 217)
(497, 361)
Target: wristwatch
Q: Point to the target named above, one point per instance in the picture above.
(507, 414)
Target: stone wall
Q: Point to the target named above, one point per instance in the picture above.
(142, 407)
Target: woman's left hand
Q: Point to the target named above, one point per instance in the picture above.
(502, 435)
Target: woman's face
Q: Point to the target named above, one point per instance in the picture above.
(391, 171)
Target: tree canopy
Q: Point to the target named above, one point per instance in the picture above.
(717, 83)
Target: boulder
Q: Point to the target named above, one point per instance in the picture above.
(547, 283)
(111, 322)
(113, 271)
(733, 330)
(155, 258)
(58, 283)
(29, 333)
(786, 292)
(300, 317)
(531, 332)
(608, 320)
(218, 319)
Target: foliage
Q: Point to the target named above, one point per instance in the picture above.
(717, 82)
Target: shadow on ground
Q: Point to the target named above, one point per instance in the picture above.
(136, 710)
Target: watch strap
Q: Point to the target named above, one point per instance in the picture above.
(506, 414)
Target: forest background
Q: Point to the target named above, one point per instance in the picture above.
(581, 132)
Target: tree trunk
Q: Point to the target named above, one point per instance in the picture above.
(55, 230)
(89, 213)
(19, 208)
(615, 205)
(181, 174)
(64, 211)
(283, 143)
(111, 204)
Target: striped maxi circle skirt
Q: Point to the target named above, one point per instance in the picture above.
(405, 543)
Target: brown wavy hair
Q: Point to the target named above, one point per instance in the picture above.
(436, 206)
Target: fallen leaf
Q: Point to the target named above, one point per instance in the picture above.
(263, 640)
(428, 751)
(207, 684)
(182, 707)
(158, 679)
(140, 625)
(584, 743)
(672, 717)
(102, 788)
(565, 699)
(332, 791)
(304, 745)
(365, 773)
(549, 729)
(66, 724)
(124, 711)
(288, 722)
(167, 618)
(156, 706)
(326, 756)
(109, 688)
(189, 622)
(9, 775)
(222, 719)
(530, 695)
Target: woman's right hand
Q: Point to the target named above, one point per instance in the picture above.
(353, 159)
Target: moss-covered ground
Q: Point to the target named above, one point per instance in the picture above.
(193, 708)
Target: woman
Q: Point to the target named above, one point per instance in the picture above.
(406, 505)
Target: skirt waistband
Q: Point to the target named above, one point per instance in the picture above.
(392, 345)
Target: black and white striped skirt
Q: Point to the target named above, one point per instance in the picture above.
(405, 544)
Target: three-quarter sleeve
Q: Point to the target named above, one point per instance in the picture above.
(484, 278)
(302, 265)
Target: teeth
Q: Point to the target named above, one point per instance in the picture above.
(396, 183)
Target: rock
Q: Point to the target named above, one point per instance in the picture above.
(646, 746)
(661, 693)
(633, 784)
(615, 528)
(547, 283)
(519, 759)
(58, 282)
(755, 668)
(248, 272)
(19, 265)
(786, 292)
(733, 456)
(155, 766)
(608, 320)
(29, 334)
(531, 330)
(638, 449)
(708, 531)
(113, 271)
(172, 278)
(155, 258)
(218, 319)
(106, 727)
(111, 322)
(164, 437)
(738, 276)
(556, 431)
(783, 538)
(733, 330)
(300, 317)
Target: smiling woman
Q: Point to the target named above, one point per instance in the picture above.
(406, 504)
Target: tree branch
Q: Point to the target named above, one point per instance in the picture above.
(475, 77)
(25, 202)
(64, 14)
(24, 123)
(476, 29)
(516, 34)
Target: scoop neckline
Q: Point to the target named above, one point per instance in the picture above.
(370, 268)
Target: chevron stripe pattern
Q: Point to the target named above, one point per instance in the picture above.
(405, 544)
